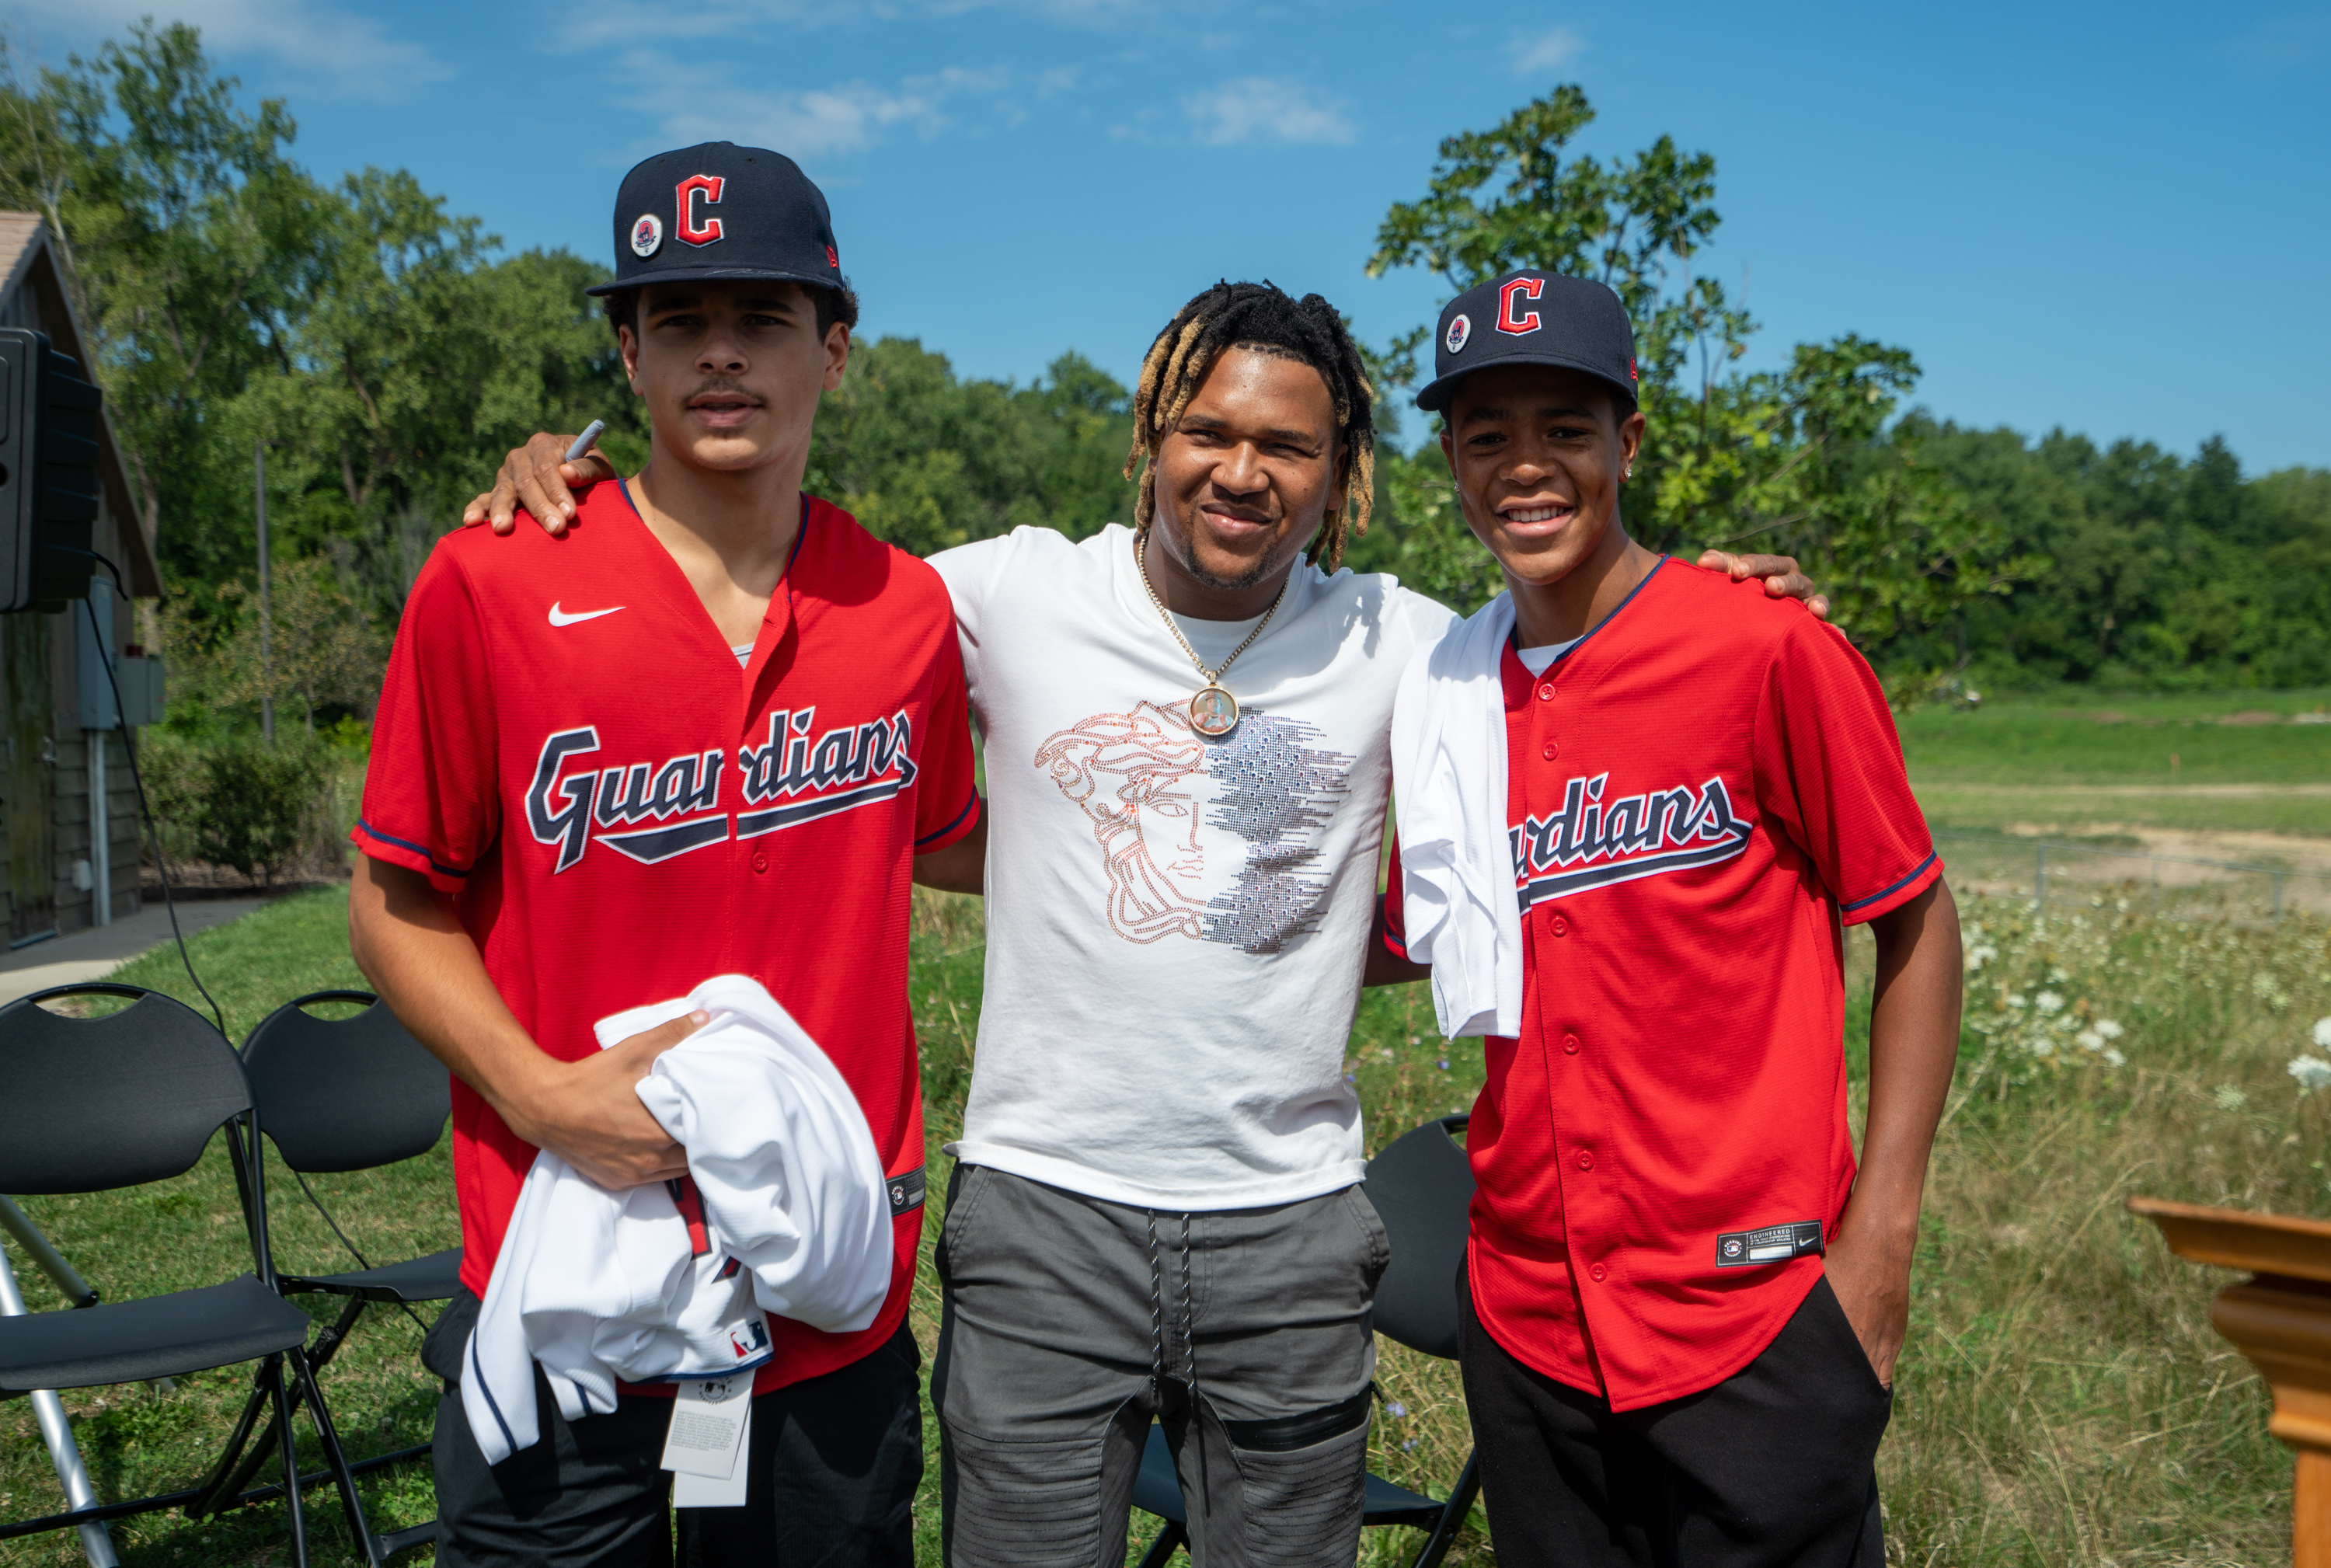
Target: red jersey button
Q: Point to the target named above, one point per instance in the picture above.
(1546, 691)
(1561, 926)
(1550, 751)
(760, 861)
(1570, 1045)
(1598, 1271)
(1586, 1159)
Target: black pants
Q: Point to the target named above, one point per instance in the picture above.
(1772, 1466)
(834, 1464)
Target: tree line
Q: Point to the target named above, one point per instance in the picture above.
(387, 352)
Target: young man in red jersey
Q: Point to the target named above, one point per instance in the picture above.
(714, 727)
(1683, 1302)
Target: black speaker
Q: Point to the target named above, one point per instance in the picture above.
(47, 474)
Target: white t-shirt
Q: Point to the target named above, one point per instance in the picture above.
(1536, 660)
(1175, 926)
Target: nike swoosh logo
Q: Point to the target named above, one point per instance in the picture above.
(561, 618)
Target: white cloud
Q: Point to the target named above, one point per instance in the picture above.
(1556, 49)
(356, 54)
(847, 117)
(1252, 108)
(600, 23)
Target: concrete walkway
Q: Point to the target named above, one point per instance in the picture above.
(98, 952)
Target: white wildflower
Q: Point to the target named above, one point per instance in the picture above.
(2015, 999)
(2113, 1057)
(2042, 1046)
(2323, 1032)
(1979, 955)
(2048, 1001)
(2088, 1040)
(2230, 1098)
(2107, 1029)
(2312, 1073)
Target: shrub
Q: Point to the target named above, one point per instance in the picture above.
(240, 801)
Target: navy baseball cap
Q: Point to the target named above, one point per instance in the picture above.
(718, 211)
(1532, 318)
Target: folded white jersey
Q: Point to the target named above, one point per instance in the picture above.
(599, 1287)
(1462, 910)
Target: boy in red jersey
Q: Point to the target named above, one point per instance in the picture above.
(1683, 1303)
(714, 727)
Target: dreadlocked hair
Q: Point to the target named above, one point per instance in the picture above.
(1264, 319)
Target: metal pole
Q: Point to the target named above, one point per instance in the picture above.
(2040, 878)
(266, 660)
(2278, 897)
(57, 1432)
(50, 1261)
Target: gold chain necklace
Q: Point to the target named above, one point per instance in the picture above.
(1213, 711)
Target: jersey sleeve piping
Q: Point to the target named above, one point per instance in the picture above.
(961, 823)
(412, 857)
(1888, 899)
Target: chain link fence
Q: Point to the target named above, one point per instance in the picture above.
(2053, 872)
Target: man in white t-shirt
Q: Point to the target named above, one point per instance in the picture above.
(1155, 1211)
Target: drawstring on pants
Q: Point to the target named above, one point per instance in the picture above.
(1159, 1374)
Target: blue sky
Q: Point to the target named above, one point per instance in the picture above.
(2107, 217)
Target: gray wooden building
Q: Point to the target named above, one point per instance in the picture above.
(73, 830)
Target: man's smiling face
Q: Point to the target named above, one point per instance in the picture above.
(1538, 454)
(732, 371)
(1251, 471)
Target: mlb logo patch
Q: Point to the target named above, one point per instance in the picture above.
(1460, 330)
(647, 236)
(749, 1339)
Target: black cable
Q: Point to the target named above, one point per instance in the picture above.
(343, 1235)
(138, 782)
(162, 871)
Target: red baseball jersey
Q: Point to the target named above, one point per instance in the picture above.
(566, 745)
(1700, 792)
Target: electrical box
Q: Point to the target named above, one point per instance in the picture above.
(136, 677)
(49, 419)
(142, 699)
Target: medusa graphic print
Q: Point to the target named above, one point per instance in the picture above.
(1211, 841)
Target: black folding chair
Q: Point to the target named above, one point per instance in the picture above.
(1422, 1186)
(334, 1094)
(94, 1105)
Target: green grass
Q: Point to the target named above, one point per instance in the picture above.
(2127, 741)
(2067, 762)
(2061, 1399)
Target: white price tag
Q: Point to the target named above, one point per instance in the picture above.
(689, 1491)
(709, 1419)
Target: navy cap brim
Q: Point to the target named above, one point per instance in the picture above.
(715, 275)
(1434, 396)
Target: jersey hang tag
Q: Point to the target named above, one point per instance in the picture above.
(708, 1421)
(694, 1491)
(1773, 1244)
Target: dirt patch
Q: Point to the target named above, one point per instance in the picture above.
(2236, 868)
(2250, 716)
(2272, 852)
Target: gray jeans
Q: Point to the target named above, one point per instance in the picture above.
(1071, 1323)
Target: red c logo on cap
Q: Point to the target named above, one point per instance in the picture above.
(1507, 320)
(690, 228)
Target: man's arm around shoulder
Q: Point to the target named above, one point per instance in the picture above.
(423, 964)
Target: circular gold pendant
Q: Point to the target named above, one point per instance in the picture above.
(1214, 712)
